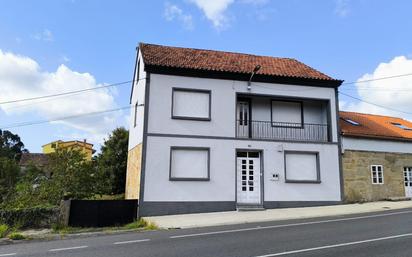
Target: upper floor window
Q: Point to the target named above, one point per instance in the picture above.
(287, 114)
(135, 115)
(137, 71)
(377, 174)
(191, 104)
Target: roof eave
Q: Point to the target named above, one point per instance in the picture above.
(402, 139)
(188, 72)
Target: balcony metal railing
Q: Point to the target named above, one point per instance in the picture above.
(282, 131)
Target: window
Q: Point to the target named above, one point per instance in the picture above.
(404, 127)
(302, 167)
(352, 122)
(135, 114)
(287, 114)
(191, 104)
(137, 71)
(407, 174)
(189, 163)
(377, 174)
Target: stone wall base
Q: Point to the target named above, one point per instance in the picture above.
(358, 185)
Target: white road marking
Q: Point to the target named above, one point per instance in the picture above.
(291, 225)
(131, 242)
(336, 245)
(68, 248)
(8, 254)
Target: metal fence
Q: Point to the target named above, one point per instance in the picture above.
(101, 213)
(282, 131)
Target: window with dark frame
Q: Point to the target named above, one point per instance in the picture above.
(287, 113)
(302, 167)
(189, 164)
(137, 71)
(191, 104)
(135, 114)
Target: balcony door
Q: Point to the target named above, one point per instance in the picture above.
(243, 118)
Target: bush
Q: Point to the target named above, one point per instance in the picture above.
(16, 236)
(3, 230)
(37, 217)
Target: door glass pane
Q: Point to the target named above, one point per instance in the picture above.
(242, 154)
(253, 154)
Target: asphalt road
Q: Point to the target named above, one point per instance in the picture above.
(386, 234)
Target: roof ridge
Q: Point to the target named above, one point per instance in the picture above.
(222, 51)
(371, 114)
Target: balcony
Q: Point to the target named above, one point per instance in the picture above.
(268, 130)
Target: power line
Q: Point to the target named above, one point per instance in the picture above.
(29, 123)
(382, 78)
(378, 105)
(67, 93)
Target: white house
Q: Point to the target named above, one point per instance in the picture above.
(217, 131)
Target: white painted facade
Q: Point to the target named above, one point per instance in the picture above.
(223, 111)
(375, 145)
(219, 135)
(222, 186)
(138, 107)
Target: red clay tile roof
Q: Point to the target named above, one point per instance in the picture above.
(375, 126)
(219, 61)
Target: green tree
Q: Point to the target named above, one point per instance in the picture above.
(9, 174)
(11, 146)
(71, 176)
(112, 162)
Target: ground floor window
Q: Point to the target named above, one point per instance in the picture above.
(302, 167)
(407, 174)
(189, 163)
(377, 174)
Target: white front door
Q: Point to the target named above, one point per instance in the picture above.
(248, 178)
(242, 119)
(407, 174)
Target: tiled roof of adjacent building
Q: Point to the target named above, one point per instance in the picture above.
(227, 62)
(36, 159)
(375, 126)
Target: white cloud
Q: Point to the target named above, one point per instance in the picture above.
(214, 11)
(21, 77)
(173, 12)
(45, 35)
(395, 93)
(342, 8)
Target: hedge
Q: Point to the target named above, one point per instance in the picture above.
(37, 217)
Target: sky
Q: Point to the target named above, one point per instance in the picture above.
(53, 46)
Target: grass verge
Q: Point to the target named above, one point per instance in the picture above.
(16, 236)
(140, 224)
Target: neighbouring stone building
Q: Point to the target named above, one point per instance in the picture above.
(376, 157)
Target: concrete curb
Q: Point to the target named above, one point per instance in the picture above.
(234, 218)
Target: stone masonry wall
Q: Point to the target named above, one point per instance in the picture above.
(358, 185)
(134, 160)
